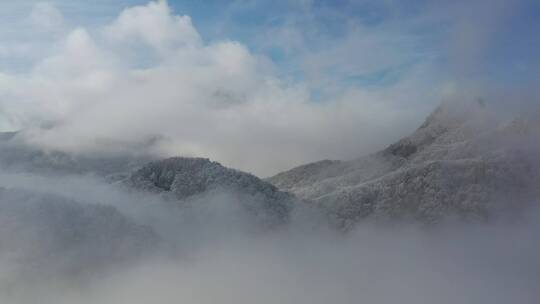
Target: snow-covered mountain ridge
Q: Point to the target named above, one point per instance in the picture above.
(186, 179)
(462, 161)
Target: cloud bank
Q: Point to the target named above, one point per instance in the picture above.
(212, 253)
(149, 75)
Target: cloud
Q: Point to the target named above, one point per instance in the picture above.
(345, 87)
(46, 17)
(28, 28)
(155, 26)
(214, 99)
(212, 254)
(210, 250)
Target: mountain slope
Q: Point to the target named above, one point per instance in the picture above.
(187, 179)
(463, 161)
(181, 179)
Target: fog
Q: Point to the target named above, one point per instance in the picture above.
(210, 250)
(368, 267)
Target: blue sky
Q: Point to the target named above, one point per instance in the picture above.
(316, 78)
(410, 32)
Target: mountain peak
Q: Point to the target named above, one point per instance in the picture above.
(457, 163)
(449, 123)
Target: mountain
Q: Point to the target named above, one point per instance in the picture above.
(464, 161)
(186, 179)
(179, 179)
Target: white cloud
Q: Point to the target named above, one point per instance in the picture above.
(155, 26)
(46, 17)
(27, 31)
(216, 100)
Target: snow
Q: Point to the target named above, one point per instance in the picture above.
(189, 178)
(462, 162)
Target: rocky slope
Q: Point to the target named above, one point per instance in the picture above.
(463, 161)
